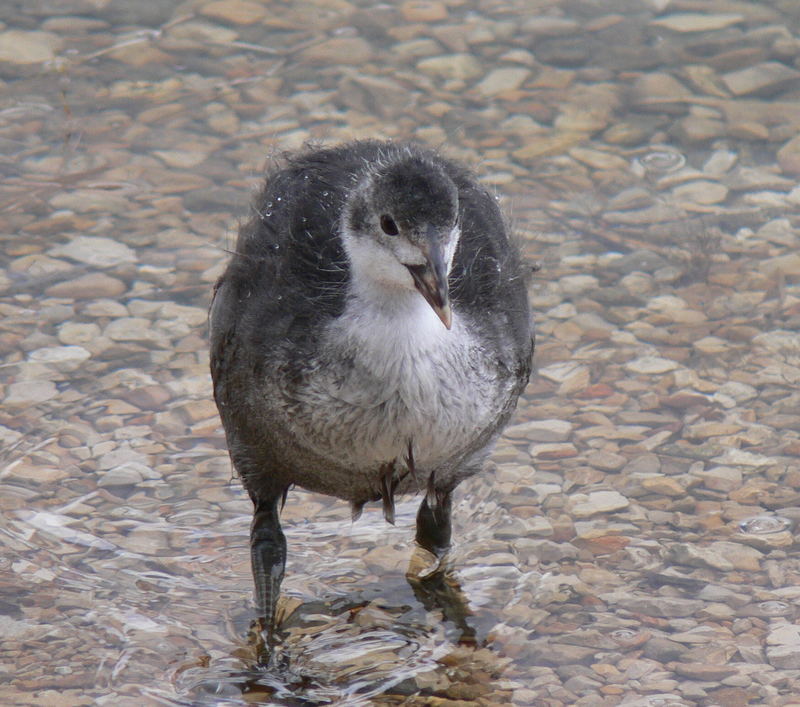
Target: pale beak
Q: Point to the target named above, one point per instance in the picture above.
(431, 279)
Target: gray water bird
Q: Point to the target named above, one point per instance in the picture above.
(369, 337)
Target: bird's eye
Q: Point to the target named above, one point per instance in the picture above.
(388, 226)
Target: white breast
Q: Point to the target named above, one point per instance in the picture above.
(392, 373)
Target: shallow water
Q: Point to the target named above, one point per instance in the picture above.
(634, 542)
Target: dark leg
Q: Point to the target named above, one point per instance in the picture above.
(268, 557)
(433, 524)
(439, 589)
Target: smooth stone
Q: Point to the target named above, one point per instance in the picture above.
(96, 250)
(21, 47)
(664, 607)
(62, 358)
(123, 475)
(549, 26)
(783, 264)
(742, 557)
(30, 392)
(598, 159)
(607, 461)
(181, 159)
(693, 129)
(789, 157)
(540, 431)
(91, 285)
(502, 80)
(660, 92)
(694, 556)
(701, 192)
(198, 31)
(697, 22)
(453, 67)
(784, 657)
(649, 365)
(720, 478)
(131, 329)
(720, 162)
(352, 51)
(704, 672)
(552, 450)
(92, 200)
(584, 506)
(762, 79)
(423, 11)
(780, 231)
(76, 333)
(240, 12)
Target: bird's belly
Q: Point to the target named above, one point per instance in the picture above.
(363, 422)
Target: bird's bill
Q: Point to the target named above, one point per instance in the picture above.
(431, 281)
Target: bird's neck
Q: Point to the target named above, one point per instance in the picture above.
(386, 316)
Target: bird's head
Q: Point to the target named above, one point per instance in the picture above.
(400, 228)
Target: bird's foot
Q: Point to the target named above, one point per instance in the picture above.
(424, 564)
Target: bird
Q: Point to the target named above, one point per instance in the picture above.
(369, 337)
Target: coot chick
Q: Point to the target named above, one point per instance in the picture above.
(369, 337)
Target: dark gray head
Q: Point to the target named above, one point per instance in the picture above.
(400, 229)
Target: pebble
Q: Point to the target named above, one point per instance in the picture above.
(763, 79)
(585, 506)
(340, 50)
(240, 12)
(89, 286)
(28, 47)
(95, 250)
(648, 365)
(789, 156)
(62, 358)
(540, 431)
(27, 393)
(697, 22)
(454, 67)
(423, 11)
(502, 80)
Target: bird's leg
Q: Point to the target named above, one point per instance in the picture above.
(268, 557)
(433, 521)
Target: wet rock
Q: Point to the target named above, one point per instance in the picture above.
(240, 12)
(62, 358)
(649, 365)
(545, 652)
(607, 461)
(764, 79)
(22, 47)
(540, 431)
(660, 92)
(596, 502)
(339, 50)
(89, 286)
(704, 672)
(95, 250)
(697, 22)
(663, 649)
(502, 80)
(701, 192)
(27, 393)
(454, 67)
(423, 11)
(789, 156)
(694, 129)
(783, 647)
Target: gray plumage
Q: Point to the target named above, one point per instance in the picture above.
(370, 336)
